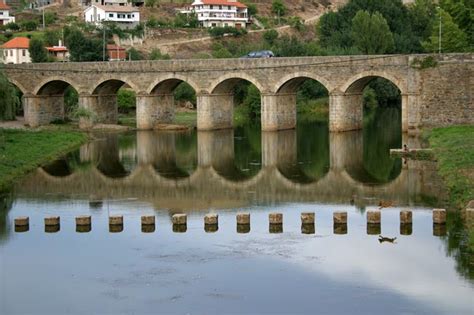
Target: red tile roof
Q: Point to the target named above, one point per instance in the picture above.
(17, 42)
(224, 2)
(57, 48)
(114, 47)
(4, 6)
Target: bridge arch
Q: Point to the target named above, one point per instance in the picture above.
(54, 85)
(359, 81)
(225, 83)
(167, 84)
(18, 85)
(292, 81)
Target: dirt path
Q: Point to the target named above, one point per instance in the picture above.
(19, 123)
(279, 29)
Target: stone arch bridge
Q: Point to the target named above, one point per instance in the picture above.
(435, 96)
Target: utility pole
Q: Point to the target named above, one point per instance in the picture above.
(440, 33)
(44, 26)
(103, 42)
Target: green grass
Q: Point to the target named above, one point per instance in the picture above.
(186, 118)
(23, 151)
(453, 148)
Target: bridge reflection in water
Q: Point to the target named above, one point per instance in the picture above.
(201, 170)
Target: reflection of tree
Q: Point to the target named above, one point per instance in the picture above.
(313, 149)
(457, 245)
(248, 150)
(6, 202)
(382, 131)
(186, 151)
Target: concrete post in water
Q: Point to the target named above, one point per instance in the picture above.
(115, 224)
(22, 224)
(276, 222)
(179, 219)
(243, 218)
(439, 216)
(148, 223)
(307, 223)
(83, 224)
(406, 217)
(275, 218)
(211, 223)
(211, 219)
(373, 217)
(439, 230)
(406, 220)
(340, 228)
(243, 222)
(148, 220)
(22, 221)
(116, 220)
(179, 223)
(307, 218)
(83, 220)
(340, 217)
(51, 224)
(373, 222)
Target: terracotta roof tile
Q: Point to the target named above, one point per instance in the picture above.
(4, 6)
(17, 42)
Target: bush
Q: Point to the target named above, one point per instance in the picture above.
(12, 26)
(50, 18)
(126, 100)
(270, 36)
(29, 25)
(217, 32)
(134, 54)
(184, 92)
(157, 55)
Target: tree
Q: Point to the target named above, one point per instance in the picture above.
(270, 36)
(29, 25)
(51, 38)
(134, 54)
(82, 48)
(38, 52)
(278, 7)
(157, 55)
(9, 100)
(453, 39)
(371, 33)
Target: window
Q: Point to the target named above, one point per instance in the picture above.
(228, 7)
(111, 15)
(129, 16)
(1, 12)
(220, 7)
(23, 52)
(212, 7)
(11, 53)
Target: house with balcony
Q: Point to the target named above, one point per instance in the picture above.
(5, 17)
(219, 13)
(125, 16)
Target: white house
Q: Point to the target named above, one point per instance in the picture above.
(16, 50)
(111, 2)
(5, 17)
(219, 13)
(124, 16)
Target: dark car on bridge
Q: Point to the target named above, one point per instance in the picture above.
(259, 54)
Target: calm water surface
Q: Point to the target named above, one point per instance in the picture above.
(225, 172)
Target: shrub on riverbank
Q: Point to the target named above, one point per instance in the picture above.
(454, 149)
(22, 151)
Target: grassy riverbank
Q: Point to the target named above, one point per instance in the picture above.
(454, 150)
(22, 151)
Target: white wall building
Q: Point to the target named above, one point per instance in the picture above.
(111, 2)
(5, 17)
(16, 50)
(124, 16)
(219, 13)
